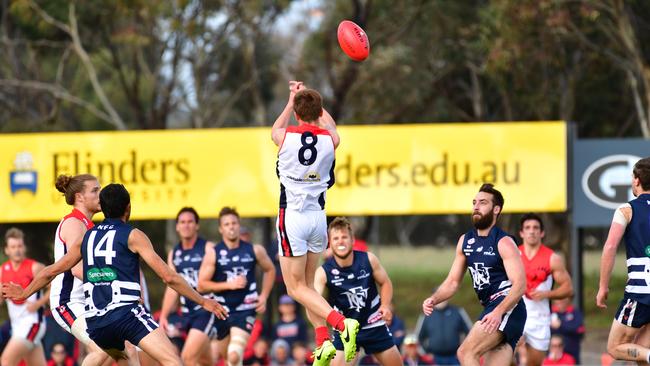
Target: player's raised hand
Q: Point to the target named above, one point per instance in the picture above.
(427, 306)
(238, 283)
(12, 291)
(491, 321)
(295, 86)
(213, 306)
(601, 298)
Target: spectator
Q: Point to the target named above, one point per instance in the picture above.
(55, 334)
(299, 354)
(556, 355)
(442, 332)
(290, 326)
(280, 353)
(260, 356)
(397, 328)
(59, 356)
(411, 353)
(568, 322)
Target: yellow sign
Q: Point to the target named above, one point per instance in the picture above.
(380, 169)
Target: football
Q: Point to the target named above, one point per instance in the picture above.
(353, 40)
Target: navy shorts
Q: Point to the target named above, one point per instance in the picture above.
(131, 323)
(633, 313)
(241, 319)
(512, 324)
(373, 340)
(201, 320)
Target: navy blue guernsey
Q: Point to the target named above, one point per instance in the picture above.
(486, 265)
(188, 263)
(637, 249)
(353, 290)
(240, 261)
(111, 271)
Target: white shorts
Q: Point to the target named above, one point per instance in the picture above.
(537, 334)
(28, 329)
(70, 317)
(301, 231)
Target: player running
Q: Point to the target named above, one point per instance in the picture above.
(629, 336)
(185, 258)
(25, 315)
(543, 268)
(499, 280)
(111, 268)
(306, 170)
(228, 271)
(351, 277)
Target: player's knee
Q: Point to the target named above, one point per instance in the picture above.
(189, 358)
(236, 350)
(464, 353)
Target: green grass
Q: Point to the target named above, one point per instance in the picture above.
(415, 271)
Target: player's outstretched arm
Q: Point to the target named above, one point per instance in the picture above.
(451, 284)
(622, 217)
(327, 122)
(139, 243)
(282, 122)
(170, 298)
(43, 277)
(206, 272)
(43, 300)
(516, 274)
(268, 277)
(385, 287)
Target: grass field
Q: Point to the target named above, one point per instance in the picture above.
(415, 271)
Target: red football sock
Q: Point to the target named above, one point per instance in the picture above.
(322, 334)
(335, 319)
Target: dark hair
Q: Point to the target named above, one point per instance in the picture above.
(190, 210)
(642, 172)
(340, 223)
(531, 216)
(497, 197)
(308, 105)
(114, 199)
(14, 233)
(69, 185)
(228, 211)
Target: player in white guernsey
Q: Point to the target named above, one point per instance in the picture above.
(543, 267)
(67, 300)
(629, 336)
(306, 170)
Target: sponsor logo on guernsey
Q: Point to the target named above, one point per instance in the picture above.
(335, 271)
(363, 274)
(471, 241)
(647, 250)
(489, 251)
(95, 275)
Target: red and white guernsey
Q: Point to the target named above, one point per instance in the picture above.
(305, 167)
(66, 288)
(22, 276)
(539, 277)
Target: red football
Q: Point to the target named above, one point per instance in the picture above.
(353, 40)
